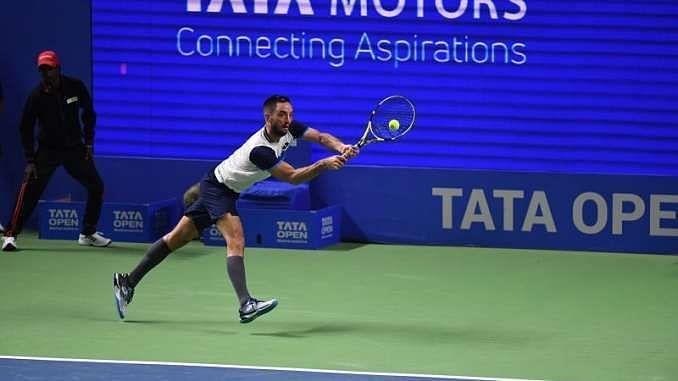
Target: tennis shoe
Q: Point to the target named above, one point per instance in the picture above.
(9, 244)
(123, 293)
(95, 239)
(253, 308)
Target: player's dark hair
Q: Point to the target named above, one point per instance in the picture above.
(272, 101)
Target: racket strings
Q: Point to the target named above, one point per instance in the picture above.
(392, 118)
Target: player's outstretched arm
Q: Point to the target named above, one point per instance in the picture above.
(330, 142)
(283, 171)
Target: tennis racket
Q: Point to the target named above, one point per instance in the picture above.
(392, 118)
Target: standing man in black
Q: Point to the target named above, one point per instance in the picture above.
(58, 104)
(2, 107)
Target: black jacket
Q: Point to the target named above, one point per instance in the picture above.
(58, 113)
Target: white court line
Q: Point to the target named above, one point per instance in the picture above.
(306, 370)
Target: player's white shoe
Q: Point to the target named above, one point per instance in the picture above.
(254, 308)
(95, 239)
(8, 244)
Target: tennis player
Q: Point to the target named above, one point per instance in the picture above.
(257, 159)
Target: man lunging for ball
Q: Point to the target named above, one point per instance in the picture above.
(257, 159)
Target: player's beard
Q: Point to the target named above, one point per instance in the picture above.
(278, 129)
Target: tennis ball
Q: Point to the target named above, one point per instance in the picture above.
(393, 125)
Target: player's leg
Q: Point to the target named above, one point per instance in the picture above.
(195, 219)
(183, 233)
(84, 171)
(27, 198)
(231, 228)
(220, 202)
(124, 284)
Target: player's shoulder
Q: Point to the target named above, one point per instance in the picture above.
(255, 142)
(258, 139)
(261, 150)
(264, 157)
(297, 129)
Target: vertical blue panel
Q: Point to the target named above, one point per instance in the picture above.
(615, 213)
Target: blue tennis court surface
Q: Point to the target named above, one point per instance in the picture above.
(26, 368)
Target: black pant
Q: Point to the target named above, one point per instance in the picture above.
(47, 161)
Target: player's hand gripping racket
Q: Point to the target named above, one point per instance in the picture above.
(392, 118)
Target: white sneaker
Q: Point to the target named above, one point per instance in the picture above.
(254, 308)
(95, 239)
(9, 244)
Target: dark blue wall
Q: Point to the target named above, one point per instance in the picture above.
(28, 27)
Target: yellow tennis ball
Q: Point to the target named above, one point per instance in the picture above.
(394, 125)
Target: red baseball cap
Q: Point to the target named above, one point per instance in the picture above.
(49, 58)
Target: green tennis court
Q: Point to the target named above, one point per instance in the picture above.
(375, 308)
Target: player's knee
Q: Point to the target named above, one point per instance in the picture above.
(177, 238)
(235, 244)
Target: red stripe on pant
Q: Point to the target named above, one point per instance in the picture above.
(17, 209)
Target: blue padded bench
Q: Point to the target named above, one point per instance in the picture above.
(271, 194)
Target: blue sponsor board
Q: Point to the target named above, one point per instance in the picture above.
(127, 222)
(60, 219)
(285, 228)
(617, 213)
(137, 222)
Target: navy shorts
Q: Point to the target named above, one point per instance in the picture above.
(215, 200)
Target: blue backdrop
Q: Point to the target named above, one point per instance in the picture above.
(547, 85)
